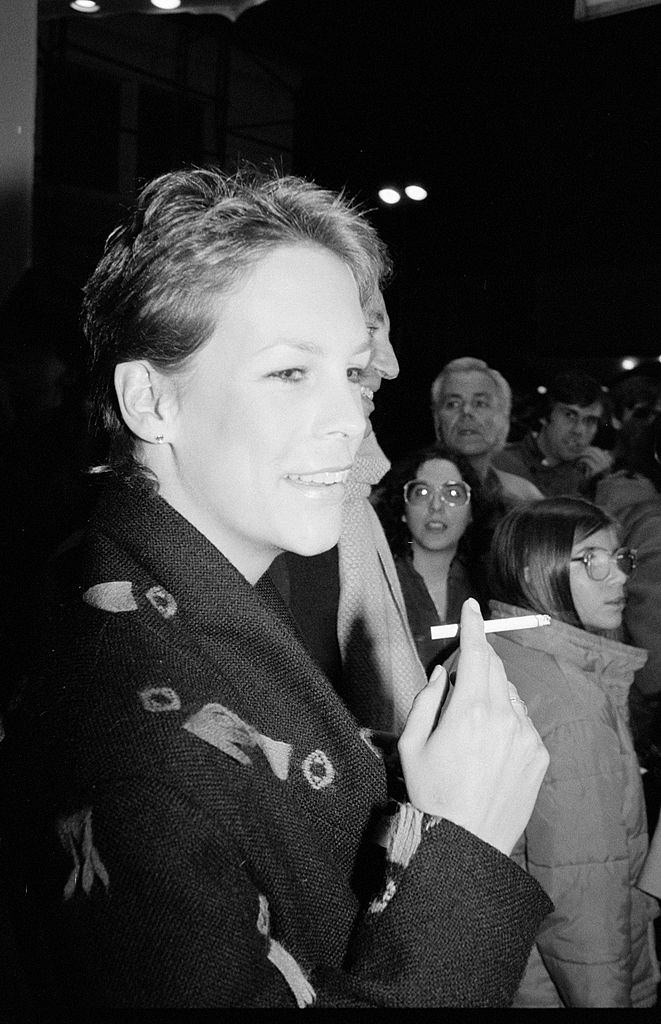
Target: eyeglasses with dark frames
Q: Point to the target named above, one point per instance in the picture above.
(598, 562)
(454, 493)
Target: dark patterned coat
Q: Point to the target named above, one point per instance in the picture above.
(194, 806)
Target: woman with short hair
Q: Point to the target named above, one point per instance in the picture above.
(193, 801)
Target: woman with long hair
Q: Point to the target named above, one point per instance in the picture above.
(587, 839)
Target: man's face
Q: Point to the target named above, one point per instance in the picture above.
(383, 363)
(570, 429)
(469, 414)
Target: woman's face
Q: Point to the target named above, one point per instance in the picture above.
(266, 423)
(599, 603)
(435, 525)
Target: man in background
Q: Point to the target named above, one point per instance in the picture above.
(471, 405)
(560, 457)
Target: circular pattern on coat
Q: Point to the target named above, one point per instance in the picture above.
(163, 602)
(159, 698)
(318, 769)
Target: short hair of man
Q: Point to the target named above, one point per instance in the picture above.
(468, 364)
(574, 389)
(192, 237)
(531, 552)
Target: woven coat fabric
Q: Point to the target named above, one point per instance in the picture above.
(379, 655)
(193, 803)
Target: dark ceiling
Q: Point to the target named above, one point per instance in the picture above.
(538, 137)
(538, 140)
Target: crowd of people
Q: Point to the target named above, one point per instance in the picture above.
(238, 770)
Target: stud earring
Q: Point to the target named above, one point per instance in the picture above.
(159, 439)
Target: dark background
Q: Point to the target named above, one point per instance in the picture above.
(538, 140)
(536, 136)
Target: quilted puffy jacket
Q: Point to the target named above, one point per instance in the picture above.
(587, 838)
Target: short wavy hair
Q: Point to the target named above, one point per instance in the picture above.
(192, 237)
(468, 364)
(531, 551)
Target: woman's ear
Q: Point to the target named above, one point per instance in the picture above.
(143, 397)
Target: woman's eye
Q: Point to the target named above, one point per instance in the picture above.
(356, 374)
(293, 374)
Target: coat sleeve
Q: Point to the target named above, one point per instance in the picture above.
(576, 847)
(181, 922)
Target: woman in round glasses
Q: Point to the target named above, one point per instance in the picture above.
(430, 505)
(587, 838)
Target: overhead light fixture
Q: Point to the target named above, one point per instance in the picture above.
(166, 5)
(84, 6)
(389, 196)
(629, 363)
(586, 10)
(416, 192)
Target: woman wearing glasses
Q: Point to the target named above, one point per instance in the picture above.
(587, 838)
(431, 507)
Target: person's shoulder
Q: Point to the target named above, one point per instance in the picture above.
(517, 456)
(517, 487)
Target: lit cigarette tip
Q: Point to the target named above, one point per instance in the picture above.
(494, 625)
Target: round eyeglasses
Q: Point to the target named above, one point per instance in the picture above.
(598, 561)
(452, 492)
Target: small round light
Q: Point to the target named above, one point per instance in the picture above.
(629, 363)
(541, 390)
(85, 6)
(166, 5)
(389, 195)
(416, 192)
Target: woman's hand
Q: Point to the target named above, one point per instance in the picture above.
(481, 764)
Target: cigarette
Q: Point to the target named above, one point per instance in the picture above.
(494, 625)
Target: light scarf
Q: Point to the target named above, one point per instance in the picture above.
(379, 656)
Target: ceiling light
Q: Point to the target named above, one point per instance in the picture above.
(416, 192)
(541, 390)
(389, 195)
(629, 363)
(84, 6)
(166, 5)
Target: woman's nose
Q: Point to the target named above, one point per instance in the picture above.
(617, 575)
(342, 411)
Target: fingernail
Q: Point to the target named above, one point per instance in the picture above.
(436, 673)
(473, 604)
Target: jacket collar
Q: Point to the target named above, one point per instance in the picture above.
(616, 662)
